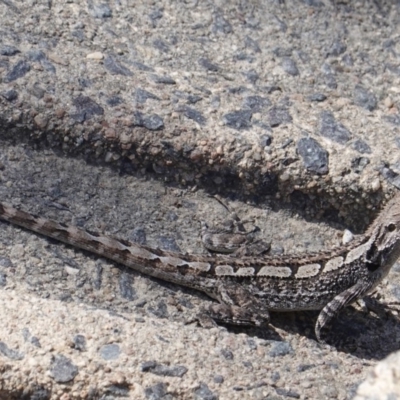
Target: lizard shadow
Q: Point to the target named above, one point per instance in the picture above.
(354, 332)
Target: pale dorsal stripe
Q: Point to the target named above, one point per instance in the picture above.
(245, 271)
(306, 271)
(356, 253)
(224, 270)
(201, 266)
(277, 272)
(333, 264)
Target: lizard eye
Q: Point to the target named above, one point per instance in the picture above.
(391, 227)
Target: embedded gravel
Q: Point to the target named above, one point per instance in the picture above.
(190, 91)
(123, 117)
(77, 326)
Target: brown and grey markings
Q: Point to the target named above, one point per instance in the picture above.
(248, 287)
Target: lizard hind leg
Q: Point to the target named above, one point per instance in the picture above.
(337, 304)
(237, 306)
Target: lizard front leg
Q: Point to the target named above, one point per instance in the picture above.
(331, 310)
(237, 306)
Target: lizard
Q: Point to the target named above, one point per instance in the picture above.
(247, 288)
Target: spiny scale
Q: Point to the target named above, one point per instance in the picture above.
(248, 287)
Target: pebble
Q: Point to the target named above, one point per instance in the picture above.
(97, 55)
(331, 129)
(315, 157)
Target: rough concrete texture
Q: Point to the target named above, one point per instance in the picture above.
(121, 117)
(383, 382)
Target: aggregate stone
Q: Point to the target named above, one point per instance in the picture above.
(280, 349)
(152, 122)
(338, 47)
(110, 351)
(10, 353)
(161, 45)
(221, 24)
(390, 175)
(37, 91)
(164, 370)
(393, 119)
(114, 101)
(118, 390)
(256, 103)
(317, 97)
(330, 128)
(275, 376)
(115, 67)
(227, 354)
(79, 342)
(125, 287)
(278, 115)
(10, 95)
(361, 146)
(315, 157)
(193, 114)
(203, 392)
(365, 98)
(62, 370)
(157, 391)
(9, 50)
(138, 235)
(168, 243)
(282, 51)
(86, 108)
(193, 99)
(239, 120)
(359, 163)
(156, 14)
(142, 95)
(305, 367)
(290, 66)
(252, 75)
(348, 60)
(327, 69)
(18, 70)
(253, 44)
(265, 140)
(208, 65)
(143, 67)
(5, 262)
(330, 81)
(3, 279)
(35, 55)
(287, 393)
(101, 11)
(160, 311)
(166, 80)
(40, 393)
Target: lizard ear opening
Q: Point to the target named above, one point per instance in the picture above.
(391, 227)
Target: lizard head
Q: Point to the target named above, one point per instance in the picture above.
(385, 237)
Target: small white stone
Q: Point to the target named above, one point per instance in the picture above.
(347, 236)
(375, 185)
(70, 270)
(305, 271)
(97, 55)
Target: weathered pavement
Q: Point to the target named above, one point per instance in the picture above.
(292, 108)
